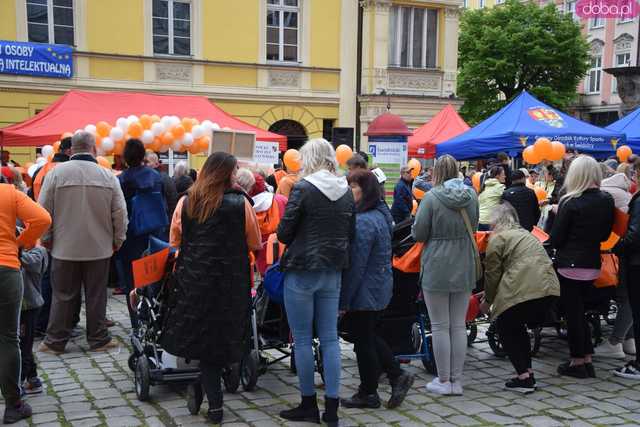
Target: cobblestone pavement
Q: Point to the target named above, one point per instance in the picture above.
(87, 389)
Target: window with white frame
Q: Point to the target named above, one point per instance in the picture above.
(597, 22)
(413, 37)
(50, 21)
(622, 59)
(570, 9)
(482, 3)
(625, 19)
(498, 1)
(283, 30)
(172, 27)
(595, 75)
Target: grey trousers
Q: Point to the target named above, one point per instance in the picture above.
(447, 313)
(624, 320)
(68, 278)
(11, 289)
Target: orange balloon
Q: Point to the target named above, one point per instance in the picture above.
(203, 143)
(291, 160)
(119, 147)
(178, 131)
(557, 151)
(135, 130)
(415, 167)
(103, 128)
(56, 146)
(610, 243)
(623, 153)
(104, 162)
(187, 124)
(543, 148)
(156, 144)
(66, 135)
(167, 138)
(145, 121)
(195, 122)
(98, 141)
(343, 153)
(531, 156)
(541, 194)
(475, 181)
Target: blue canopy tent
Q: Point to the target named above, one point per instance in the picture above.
(522, 121)
(630, 126)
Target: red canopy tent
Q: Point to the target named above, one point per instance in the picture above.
(77, 108)
(443, 126)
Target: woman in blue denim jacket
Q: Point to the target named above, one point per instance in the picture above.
(367, 286)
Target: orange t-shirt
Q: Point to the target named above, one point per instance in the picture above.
(286, 184)
(17, 205)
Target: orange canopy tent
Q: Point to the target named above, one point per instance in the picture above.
(77, 108)
(443, 126)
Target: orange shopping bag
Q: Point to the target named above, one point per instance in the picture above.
(410, 261)
(150, 269)
(608, 271)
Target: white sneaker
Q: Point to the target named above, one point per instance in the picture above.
(437, 387)
(456, 388)
(606, 349)
(629, 346)
(628, 371)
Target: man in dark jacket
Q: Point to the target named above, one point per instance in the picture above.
(169, 187)
(402, 197)
(505, 162)
(524, 200)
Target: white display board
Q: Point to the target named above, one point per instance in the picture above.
(266, 153)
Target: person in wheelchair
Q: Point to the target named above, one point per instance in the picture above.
(520, 286)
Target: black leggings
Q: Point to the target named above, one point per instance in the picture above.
(28, 319)
(633, 287)
(512, 328)
(572, 296)
(372, 352)
(210, 377)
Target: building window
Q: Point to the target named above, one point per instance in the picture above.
(497, 2)
(482, 4)
(283, 30)
(465, 3)
(414, 37)
(570, 9)
(50, 21)
(625, 19)
(597, 22)
(172, 27)
(623, 59)
(595, 75)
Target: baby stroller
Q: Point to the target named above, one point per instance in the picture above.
(150, 364)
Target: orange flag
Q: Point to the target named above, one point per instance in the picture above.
(150, 269)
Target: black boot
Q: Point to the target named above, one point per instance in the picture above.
(307, 411)
(330, 416)
(215, 409)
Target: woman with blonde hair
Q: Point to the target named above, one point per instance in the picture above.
(583, 221)
(317, 227)
(446, 222)
(520, 286)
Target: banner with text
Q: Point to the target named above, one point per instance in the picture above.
(266, 152)
(36, 59)
(388, 152)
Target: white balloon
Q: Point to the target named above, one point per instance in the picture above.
(207, 126)
(157, 129)
(122, 123)
(197, 131)
(175, 120)
(91, 129)
(147, 137)
(47, 150)
(217, 126)
(32, 169)
(107, 143)
(132, 118)
(41, 161)
(187, 139)
(116, 134)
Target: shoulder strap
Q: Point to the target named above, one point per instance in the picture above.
(467, 224)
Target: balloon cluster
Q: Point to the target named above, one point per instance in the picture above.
(156, 133)
(623, 152)
(543, 149)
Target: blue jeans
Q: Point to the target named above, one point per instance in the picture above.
(311, 298)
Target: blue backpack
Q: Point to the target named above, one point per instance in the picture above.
(148, 212)
(274, 283)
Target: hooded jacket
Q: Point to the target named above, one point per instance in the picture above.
(318, 224)
(448, 263)
(618, 186)
(368, 282)
(525, 202)
(489, 199)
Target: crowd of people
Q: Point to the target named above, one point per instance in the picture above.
(63, 236)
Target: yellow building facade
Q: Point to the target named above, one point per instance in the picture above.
(296, 67)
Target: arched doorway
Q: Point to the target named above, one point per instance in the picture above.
(294, 131)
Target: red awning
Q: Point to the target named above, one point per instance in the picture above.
(443, 126)
(77, 108)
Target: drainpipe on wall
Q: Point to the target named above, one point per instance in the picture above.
(358, 77)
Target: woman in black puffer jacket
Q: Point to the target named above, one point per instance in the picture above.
(583, 221)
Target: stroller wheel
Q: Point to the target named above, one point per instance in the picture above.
(142, 379)
(231, 378)
(292, 362)
(317, 355)
(249, 370)
(494, 341)
(610, 318)
(429, 360)
(133, 362)
(472, 333)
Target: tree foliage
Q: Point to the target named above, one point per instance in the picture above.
(518, 46)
